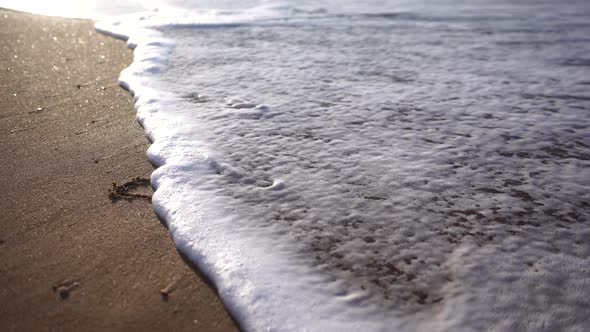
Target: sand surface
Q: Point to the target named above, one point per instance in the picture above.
(71, 256)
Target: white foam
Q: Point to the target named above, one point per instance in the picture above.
(364, 176)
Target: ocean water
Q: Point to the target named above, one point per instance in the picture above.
(376, 166)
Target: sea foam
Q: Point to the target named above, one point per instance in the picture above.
(376, 167)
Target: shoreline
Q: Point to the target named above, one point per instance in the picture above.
(76, 252)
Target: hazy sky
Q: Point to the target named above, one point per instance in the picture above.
(76, 8)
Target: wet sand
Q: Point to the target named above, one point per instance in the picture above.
(74, 254)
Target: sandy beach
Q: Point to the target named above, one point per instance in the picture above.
(76, 254)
